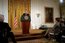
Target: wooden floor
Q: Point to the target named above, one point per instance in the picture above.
(41, 40)
(31, 31)
(32, 38)
(33, 34)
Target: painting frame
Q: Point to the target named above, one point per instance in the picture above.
(49, 15)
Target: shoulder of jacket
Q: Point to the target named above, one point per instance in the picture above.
(5, 23)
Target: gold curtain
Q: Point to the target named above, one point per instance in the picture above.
(19, 6)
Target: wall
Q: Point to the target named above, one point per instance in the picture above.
(63, 11)
(37, 7)
(0, 6)
(4, 9)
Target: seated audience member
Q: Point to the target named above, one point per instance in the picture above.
(5, 31)
(49, 33)
(62, 22)
(1, 28)
(57, 30)
(63, 27)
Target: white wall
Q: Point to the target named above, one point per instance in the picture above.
(0, 6)
(4, 9)
(37, 6)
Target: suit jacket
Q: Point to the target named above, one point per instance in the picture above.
(4, 27)
(57, 28)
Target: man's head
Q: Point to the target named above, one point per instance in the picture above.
(1, 18)
(57, 19)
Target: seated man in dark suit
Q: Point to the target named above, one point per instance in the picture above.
(63, 31)
(57, 30)
(5, 31)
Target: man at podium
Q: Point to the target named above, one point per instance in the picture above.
(25, 22)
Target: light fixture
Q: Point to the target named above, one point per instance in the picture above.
(60, 6)
(61, 1)
(38, 12)
(38, 15)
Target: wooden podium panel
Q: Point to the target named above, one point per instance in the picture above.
(25, 27)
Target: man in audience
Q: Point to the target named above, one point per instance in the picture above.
(1, 29)
(63, 31)
(5, 31)
(57, 30)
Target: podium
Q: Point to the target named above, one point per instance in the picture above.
(25, 23)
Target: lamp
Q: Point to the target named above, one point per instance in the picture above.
(61, 1)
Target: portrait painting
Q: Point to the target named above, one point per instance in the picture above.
(48, 15)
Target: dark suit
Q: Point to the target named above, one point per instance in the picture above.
(5, 33)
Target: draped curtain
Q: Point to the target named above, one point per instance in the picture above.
(17, 7)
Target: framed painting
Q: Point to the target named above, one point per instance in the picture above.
(49, 15)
